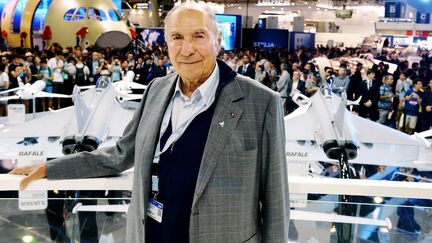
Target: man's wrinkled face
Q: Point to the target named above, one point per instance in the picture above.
(192, 45)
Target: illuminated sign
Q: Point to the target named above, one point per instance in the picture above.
(393, 10)
(423, 18)
(141, 6)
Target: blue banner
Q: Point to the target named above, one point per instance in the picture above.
(423, 18)
(418, 39)
(265, 38)
(118, 3)
(393, 10)
(301, 40)
(2, 4)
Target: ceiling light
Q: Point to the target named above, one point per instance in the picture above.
(27, 238)
(333, 229)
(378, 200)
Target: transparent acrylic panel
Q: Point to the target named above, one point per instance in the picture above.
(394, 220)
(58, 222)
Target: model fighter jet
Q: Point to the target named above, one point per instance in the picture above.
(322, 129)
(327, 131)
(98, 116)
(31, 91)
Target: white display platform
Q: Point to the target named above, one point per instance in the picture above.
(297, 184)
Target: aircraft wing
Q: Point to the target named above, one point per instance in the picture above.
(12, 97)
(307, 124)
(106, 116)
(118, 123)
(307, 130)
(134, 85)
(42, 94)
(129, 97)
(128, 85)
(11, 90)
(378, 143)
(51, 124)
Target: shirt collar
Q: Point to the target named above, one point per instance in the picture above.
(206, 90)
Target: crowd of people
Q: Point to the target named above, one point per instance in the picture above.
(401, 99)
(63, 68)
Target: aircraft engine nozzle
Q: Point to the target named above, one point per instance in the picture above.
(71, 145)
(334, 150)
(113, 39)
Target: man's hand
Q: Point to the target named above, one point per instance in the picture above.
(33, 172)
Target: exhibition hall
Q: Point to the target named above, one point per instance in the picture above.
(216, 121)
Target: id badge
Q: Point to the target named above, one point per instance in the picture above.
(155, 210)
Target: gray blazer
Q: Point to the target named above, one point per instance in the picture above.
(241, 193)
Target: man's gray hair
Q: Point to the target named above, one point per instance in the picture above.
(200, 6)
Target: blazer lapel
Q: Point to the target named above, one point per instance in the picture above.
(155, 111)
(224, 121)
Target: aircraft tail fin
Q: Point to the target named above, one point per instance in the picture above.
(81, 110)
(13, 97)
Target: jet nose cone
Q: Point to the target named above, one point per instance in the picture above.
(113, 39)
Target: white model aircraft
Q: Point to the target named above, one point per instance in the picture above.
(126, 85)
(322, 129)
(99, 115)
(30, 91)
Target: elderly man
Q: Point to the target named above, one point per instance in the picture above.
(207, 144)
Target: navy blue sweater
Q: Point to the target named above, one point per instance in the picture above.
(178, 172)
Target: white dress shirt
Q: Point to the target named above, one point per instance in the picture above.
(182, 109)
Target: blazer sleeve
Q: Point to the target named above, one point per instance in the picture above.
(274, 194)
(101, 162)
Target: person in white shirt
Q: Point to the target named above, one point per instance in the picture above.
(57, 65)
